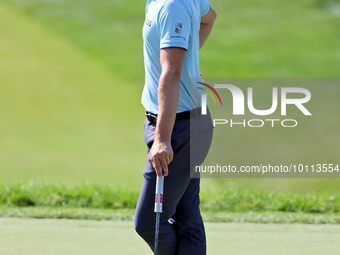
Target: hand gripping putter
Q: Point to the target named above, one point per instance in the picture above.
(158, 207)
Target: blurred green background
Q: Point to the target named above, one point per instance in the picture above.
(71, 76)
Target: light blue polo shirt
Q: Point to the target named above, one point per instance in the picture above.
(173, 23)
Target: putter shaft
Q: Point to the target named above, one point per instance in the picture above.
(157, 232)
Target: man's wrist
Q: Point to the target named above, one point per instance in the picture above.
(162, 139)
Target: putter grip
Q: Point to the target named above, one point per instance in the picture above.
(159, 194)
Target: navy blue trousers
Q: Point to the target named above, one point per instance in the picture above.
(181, 226)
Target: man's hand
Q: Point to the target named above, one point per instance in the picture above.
(161, 155)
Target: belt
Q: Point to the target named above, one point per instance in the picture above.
(179, 116)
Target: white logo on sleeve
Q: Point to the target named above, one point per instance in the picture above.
(178, 27)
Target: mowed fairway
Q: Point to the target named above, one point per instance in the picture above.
(71, 76)
(60, 111)
(55, 237)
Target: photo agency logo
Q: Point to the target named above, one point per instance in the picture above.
(286, 94)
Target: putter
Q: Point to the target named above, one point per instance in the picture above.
(158, 207)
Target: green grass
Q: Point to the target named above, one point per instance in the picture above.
(69, 237)
(77, 213)
(99, 197)
(250, 38)
(128, 215)
(60, 110)
(87, 196)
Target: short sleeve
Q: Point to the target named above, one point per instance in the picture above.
(175, 24)
(205, 7)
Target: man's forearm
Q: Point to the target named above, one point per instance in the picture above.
(161, 153)
(168, 95)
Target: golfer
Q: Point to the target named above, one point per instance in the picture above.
(177, 135)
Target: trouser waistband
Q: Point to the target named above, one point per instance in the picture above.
(179, 116)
